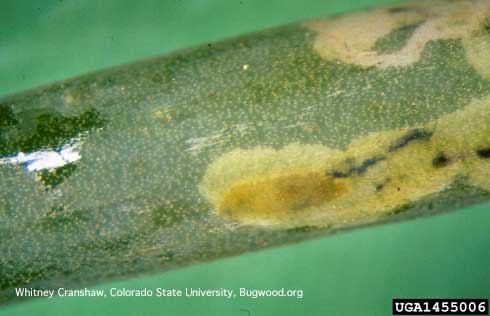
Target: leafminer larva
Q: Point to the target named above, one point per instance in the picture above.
(312, 185)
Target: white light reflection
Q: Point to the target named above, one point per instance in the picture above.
(47, 159)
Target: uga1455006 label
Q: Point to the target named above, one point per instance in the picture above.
(440, 306)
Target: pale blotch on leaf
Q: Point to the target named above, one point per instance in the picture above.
(376, 175)
(352, 38)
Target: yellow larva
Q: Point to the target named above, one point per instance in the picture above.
(377, 173)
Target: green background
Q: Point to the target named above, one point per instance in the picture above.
(353, 273)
